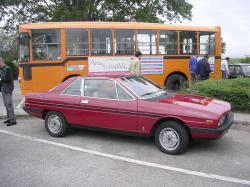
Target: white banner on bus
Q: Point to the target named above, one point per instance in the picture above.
(109, 65)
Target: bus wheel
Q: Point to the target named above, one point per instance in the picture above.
(176, 82)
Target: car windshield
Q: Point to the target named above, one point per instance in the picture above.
(246, 69)
(142, 87)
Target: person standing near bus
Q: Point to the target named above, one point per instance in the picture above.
(135, 67)
(224, 67)
(7, 87)
(192, 67)
(203, 68)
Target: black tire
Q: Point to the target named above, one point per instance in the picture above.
(175, 131)
(56, 124)
(176, 82)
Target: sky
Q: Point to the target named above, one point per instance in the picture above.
(233, 16)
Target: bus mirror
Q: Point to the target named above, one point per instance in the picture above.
(24, 38)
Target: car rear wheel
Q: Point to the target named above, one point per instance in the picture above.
(55, 124)
(172, 138)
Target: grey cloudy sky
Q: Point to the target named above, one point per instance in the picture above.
(233, 17)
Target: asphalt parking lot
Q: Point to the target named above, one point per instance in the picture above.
(30, 157)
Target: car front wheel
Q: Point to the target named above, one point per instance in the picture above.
(55, 124)
(172, 138)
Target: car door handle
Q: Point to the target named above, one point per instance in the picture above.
(84, 101)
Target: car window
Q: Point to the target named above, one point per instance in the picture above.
(142, 87)
(74, 88)
(122, 94)
(100, 88)
(238, 70)
(231, 69)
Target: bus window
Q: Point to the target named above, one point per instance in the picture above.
(147, 41)
(24, 51)
(188, 41)
(168, 43)
(124, 42)
(207, 43)
(101, 41)
(77, 42)
(46, 44)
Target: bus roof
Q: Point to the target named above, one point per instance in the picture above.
(116, 25)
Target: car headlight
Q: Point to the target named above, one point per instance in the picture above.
(222, 120)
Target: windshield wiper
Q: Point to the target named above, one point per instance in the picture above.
(150, 93)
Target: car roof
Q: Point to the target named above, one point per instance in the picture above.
(106, 76)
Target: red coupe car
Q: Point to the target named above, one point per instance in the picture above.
(132, 105)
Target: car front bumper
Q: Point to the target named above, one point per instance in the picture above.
(213, 133)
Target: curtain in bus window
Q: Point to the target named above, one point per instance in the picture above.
(168, 43)
(46, 44)
(147, 41)
(101, 41)
(124, 42)
(207, 43)
(188, 41)
(77, 42)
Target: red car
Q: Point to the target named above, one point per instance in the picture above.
(131, 105)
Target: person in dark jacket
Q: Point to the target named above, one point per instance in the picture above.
(203, 69)
(7, 87)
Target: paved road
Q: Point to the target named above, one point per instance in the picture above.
(30, 157)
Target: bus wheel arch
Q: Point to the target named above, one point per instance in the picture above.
(73, 75)
(176, 81)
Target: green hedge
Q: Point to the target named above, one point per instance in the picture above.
(235, 91)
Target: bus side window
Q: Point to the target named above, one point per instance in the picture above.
(77, 42)
(101, 42)
(147, 41)
(46, 44)
(188, 41)
(207, 43)
(168, 43)
(124, 42)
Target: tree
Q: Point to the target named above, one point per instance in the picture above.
(15, 12)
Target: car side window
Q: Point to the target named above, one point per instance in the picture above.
(74, 88)
(122, 94)
(231, 69)
(100, 88)
(238, 70)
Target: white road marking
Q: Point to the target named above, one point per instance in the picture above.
(20, 104)
(130, 160)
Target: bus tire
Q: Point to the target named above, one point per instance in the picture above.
(176, 82)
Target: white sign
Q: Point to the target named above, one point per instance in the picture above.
(110, 65)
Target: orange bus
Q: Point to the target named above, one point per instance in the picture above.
(52, 52)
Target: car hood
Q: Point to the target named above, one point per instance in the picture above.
(187, 105)
(197, 102)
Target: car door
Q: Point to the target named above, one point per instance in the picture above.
(232, 74)
(107, 105)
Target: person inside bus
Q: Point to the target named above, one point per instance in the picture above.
(135, 67)
(203, 68)
(224, 67)
(192, 67)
